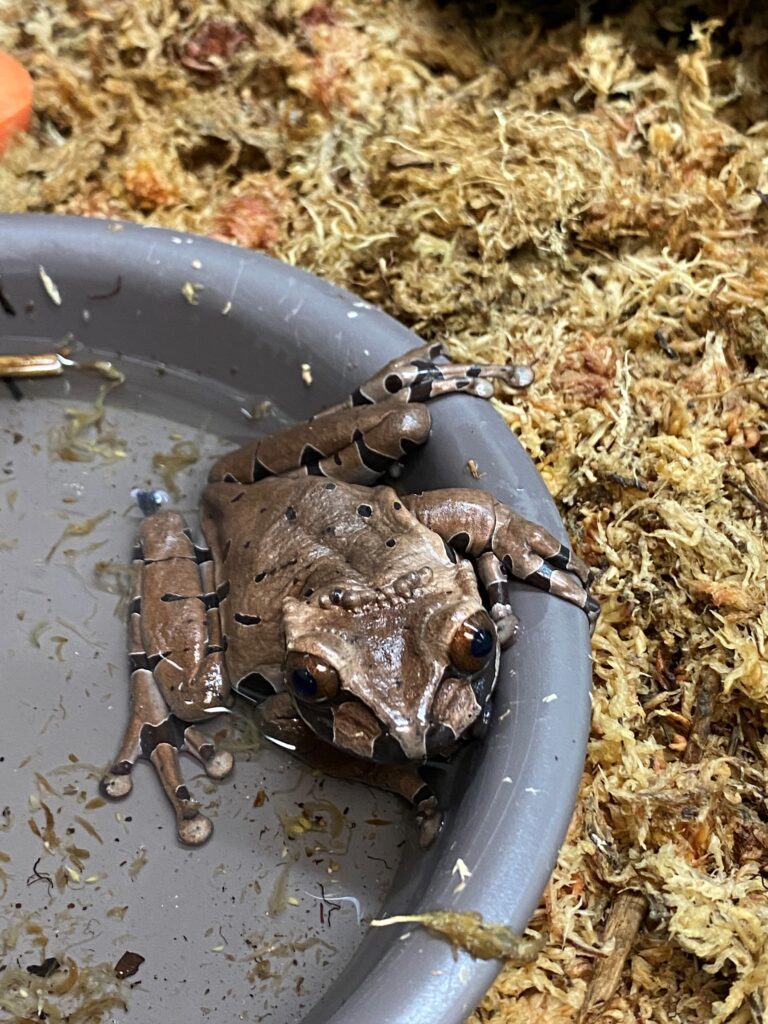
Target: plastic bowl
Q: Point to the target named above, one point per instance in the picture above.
(250, 327)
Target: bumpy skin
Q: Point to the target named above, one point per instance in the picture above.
(313, 572)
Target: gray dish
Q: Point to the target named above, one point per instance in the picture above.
(253, 323)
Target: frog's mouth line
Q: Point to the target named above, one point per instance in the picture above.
(348, 724)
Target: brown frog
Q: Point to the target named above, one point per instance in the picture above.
(366, 624)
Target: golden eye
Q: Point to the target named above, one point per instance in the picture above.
(311, 678)
(473, 643)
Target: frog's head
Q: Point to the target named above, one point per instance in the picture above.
(397, 673)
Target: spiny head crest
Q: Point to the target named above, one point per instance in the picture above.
(357, 598)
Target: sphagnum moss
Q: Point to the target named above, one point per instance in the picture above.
(588, 196)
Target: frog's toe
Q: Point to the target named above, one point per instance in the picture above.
(520, 376)
(217, 763)
(220, 764)
(429, 819)
(480, 388)
(194, 831)
(507, 623)
(118, 783)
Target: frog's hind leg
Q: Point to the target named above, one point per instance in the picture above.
(154, 734)
(374, 420)
(179, 675)
(357, 445)
(374, 451)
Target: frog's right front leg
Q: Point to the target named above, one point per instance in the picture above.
(178, 676)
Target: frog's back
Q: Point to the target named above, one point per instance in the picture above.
(295, 537)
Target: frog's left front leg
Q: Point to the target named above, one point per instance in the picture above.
(475, 525)
(281, 723)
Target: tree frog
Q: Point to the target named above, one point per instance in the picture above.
(365, 623)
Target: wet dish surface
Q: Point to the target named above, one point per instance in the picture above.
(254, 323)
(249, 916)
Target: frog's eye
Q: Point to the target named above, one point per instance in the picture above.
(473, 643)
(311, 678)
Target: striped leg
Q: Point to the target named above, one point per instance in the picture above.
(178, 673)
(311, 447)
(416, 373)
(474, 524)
(410, 380)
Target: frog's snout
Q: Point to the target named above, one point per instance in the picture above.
(457, 705)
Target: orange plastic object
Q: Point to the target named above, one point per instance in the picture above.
(15, 98)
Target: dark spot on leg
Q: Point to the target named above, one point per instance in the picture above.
(561, 558)
(172, 597)
(202, 554)
(330, 487)
(255, 687)
(247, 620)
(422, 391)
(364, 511)
(225, 550)
(247, 544)
(370, 458)
(460, 541)
(308, 592)
(237, 497)
(259, 577)
(310, 458)
(290, 513)
(170, 731)
(358, 398)
(135, 606)
(139, 660)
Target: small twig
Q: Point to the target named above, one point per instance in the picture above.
(706, 693)
(635, 482)
(662, 340)
(763, 506)
(45, 364)
(624, 920)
